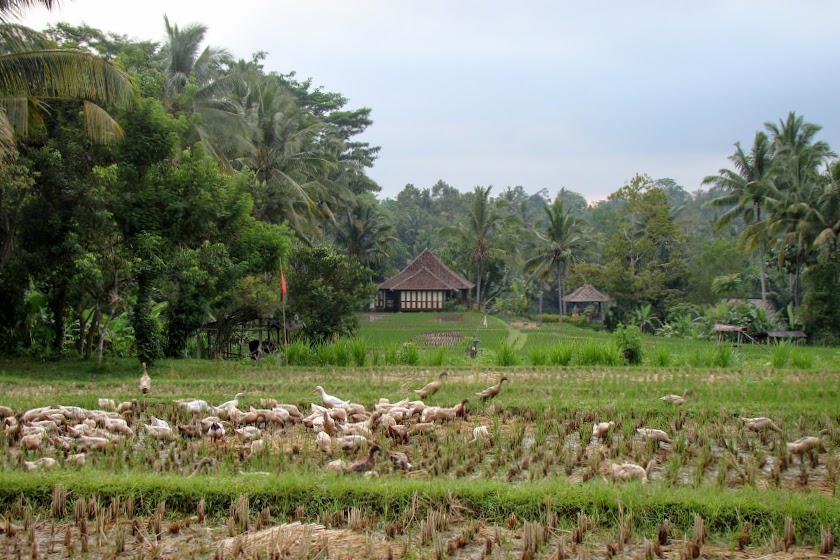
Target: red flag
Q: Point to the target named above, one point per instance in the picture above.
(282, 284)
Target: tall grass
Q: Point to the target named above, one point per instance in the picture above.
(359, 349)
(506, 356)
(593, 353)
(538, 356)
(561, 354)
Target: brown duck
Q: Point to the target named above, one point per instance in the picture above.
(491, 392)
(366, 464)
(432, 387)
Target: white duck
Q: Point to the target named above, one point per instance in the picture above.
(629, 471)
(652, 434)
(195, 406)
(674, 399)
(601, 429)
(232, 403)
(329, 400)
(248, 434)
(145, 380)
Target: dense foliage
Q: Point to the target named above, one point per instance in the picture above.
(136, 214)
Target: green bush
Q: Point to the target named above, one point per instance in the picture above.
(408, 354)
(538, 356)
(436, 357)
(629, 342)
(342, 352)
(300, 354)
(359, 349)
(801, 359)
(561, 355)
(391, 358)
(780, 355)
(724, 356)
(595, 353)
(325, 355)
(663, 358)
(549, 318)
(506, 356)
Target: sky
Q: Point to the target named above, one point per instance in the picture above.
(539, 94)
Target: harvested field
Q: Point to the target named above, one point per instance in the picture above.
(509, 477)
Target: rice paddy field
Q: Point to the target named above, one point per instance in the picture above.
(519, 475)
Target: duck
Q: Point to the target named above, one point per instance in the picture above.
(431, 388)
(248, 434)
(352, 443)
(106, 404)
(481, 434)
(651, 434)
(674, 399)
(216, 431)
(145, 380)
(42, 463)
(191, 431)
(461, 409)
(329, 424)
(761, 424)
(194, 406)
(366, 464)
(601, 429)
(160, 423)
(329, 400)
(234, 403)
(806, 444)
(324, 443)
(127, 406)
(400, 461)
(336, 466)
(6, 412)
(491, 392)
(630, 471)
(159, 432)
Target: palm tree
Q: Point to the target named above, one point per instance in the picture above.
(281, 146)
(33, 72)
(483, 221)
(562, 243)
(799, 189)
(746, 188)
(364, 233)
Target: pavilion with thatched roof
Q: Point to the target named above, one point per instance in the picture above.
(585, 296)
(424, 285)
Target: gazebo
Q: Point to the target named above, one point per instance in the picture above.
(424, 285)
(584, 296)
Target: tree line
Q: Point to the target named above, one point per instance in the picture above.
(169, 192)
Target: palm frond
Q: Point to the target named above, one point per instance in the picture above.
(65, 74)
(100, 126)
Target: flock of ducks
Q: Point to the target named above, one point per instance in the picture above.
(337, 424)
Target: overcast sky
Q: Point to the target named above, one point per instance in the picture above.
(542, 94)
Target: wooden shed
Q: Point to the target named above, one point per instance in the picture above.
(585, 296)
(424, 285)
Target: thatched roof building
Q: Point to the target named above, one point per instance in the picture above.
(586, 294)
(424, 285)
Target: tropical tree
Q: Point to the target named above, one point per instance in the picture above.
(560, 245)
(746, 190)
(33, 72)
(483, 221)
(281, 147)
(799, 191)
(364, 232)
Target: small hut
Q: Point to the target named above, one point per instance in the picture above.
(585, 296)
(424, 285)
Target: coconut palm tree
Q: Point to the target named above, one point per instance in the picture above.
(281, 145)
(33, 72)
(799, 192)
(561, 244)
(746, 189)
(364, 233)
(483, 221)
